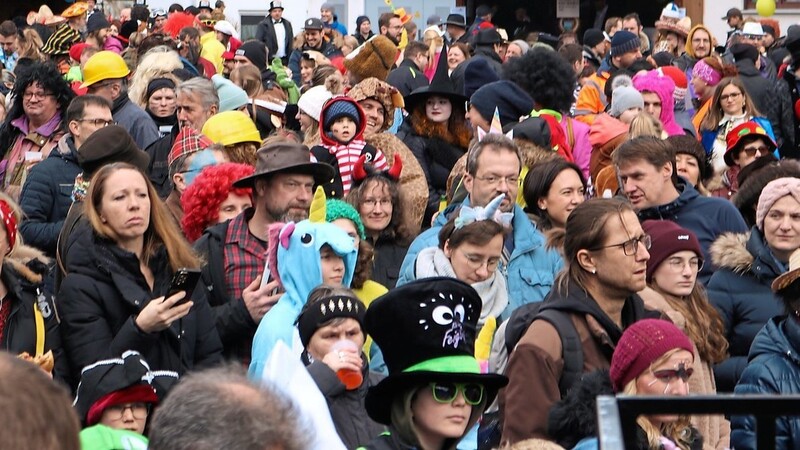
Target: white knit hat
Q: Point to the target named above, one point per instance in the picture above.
(311, 102)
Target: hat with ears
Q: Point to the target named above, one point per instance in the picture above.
(667, 239)
(426, 330)
(440, 85)
(373, 58)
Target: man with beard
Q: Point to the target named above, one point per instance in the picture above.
(391, 26)
(236, 250)
(698, 46)
(312, 32)
(96, 30)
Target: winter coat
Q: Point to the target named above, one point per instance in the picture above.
(770, 101)
(47, 195)
(265, 32)
(23, 277)
(341, 155)
(386, 263)
(103, 293)
(407, 77)
(706, 217)
(158, 168)
(773, 369)
(134, 119)
(487, 52)
(605, 135)
(327, 49)
(789, 87)
(741, 290)
(347, 407)
(234, 323)
(437, 159)
(536, 364)
(531, 269)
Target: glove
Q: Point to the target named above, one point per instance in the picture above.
(285, 81)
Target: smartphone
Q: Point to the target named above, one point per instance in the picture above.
(267, 277)
(184, 280)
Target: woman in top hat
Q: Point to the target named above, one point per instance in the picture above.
(774, 368)
(747, 265)
(436, 132)
(435, 391)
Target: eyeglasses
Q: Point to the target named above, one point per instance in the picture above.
(668, 375)
(495, 180)
(726, 97)
(372, 202)
(677, 264)
(39, 95)
(631, 247)
(139, 411)
(756, 149)
(101, 123)
(208, 22)
(476, 262)
(444, 392)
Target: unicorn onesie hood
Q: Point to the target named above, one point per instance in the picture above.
(294, 261)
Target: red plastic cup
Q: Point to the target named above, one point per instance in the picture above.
(351, 379)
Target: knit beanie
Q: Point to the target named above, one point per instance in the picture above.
(312, 100)
(477, 73)
(679, 78)
(509, 99)
(339, 209)
(231, 96)
(373, 58)
(592, 37)
(96, 22)
(256, 52)
(624, 42)
(623, 99)
(359, 21)
(641, 345)
(337, 109)
(667, 239)
(158, 83)
(773, 192)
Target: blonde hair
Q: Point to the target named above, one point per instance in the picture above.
(679, 432)
(242, 152)
(30, 45)
(434, 41)
(645, 125)
(158, 62)
(162, 230)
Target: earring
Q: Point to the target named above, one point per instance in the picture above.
(594, 271)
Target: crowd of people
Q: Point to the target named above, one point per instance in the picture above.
(459, 236)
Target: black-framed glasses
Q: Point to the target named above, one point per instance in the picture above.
(631, 247)
(98, 122)
(39, 95)
(444, 392)
(139, 410)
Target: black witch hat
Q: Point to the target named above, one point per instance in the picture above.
(441, 85)
(426, 330)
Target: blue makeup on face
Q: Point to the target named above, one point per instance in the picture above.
(201, 160)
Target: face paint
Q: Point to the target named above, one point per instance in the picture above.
(200, 160)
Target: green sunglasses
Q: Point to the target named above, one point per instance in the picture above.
(444, 392)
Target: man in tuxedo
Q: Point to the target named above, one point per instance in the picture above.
(276, 32)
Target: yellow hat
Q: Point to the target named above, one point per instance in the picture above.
(231, 127)
(104, 65)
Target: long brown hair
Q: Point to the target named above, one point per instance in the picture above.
(454, 131)
(703, 322)
(715, 114)
(162, 229)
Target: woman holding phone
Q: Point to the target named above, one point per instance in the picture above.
(114, 297)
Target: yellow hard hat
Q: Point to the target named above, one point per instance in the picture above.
(104, 65)
(231, 127)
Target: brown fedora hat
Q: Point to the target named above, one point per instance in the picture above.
(286, 157)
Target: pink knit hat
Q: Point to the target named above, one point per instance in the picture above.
(772, 192)
(662, 85)
(641, 345)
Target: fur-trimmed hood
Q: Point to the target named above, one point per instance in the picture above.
(745, 253)
(29, 263)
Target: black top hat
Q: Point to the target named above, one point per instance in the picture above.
(457, 20)
(426, 330)
(440, 85)
(276, 4)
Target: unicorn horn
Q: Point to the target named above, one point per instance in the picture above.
(317, 211)
(493, 205)
(496, 127)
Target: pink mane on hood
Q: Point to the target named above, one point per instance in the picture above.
(273, 241)
(655, 81)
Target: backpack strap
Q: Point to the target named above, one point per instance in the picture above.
(571, 349)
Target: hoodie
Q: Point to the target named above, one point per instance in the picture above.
(342, 156)
(655, 81)
(605, 135)
(686, 63)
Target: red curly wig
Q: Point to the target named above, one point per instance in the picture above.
(201, 200)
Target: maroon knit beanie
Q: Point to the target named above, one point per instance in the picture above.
(642, 344)
(667, 239)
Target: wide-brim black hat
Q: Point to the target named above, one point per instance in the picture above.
(456, 19)
(426, 330)
(440, 85)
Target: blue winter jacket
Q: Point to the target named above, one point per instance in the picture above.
(741, 291)
(774, 369)
(706, 217)
(531, 269)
